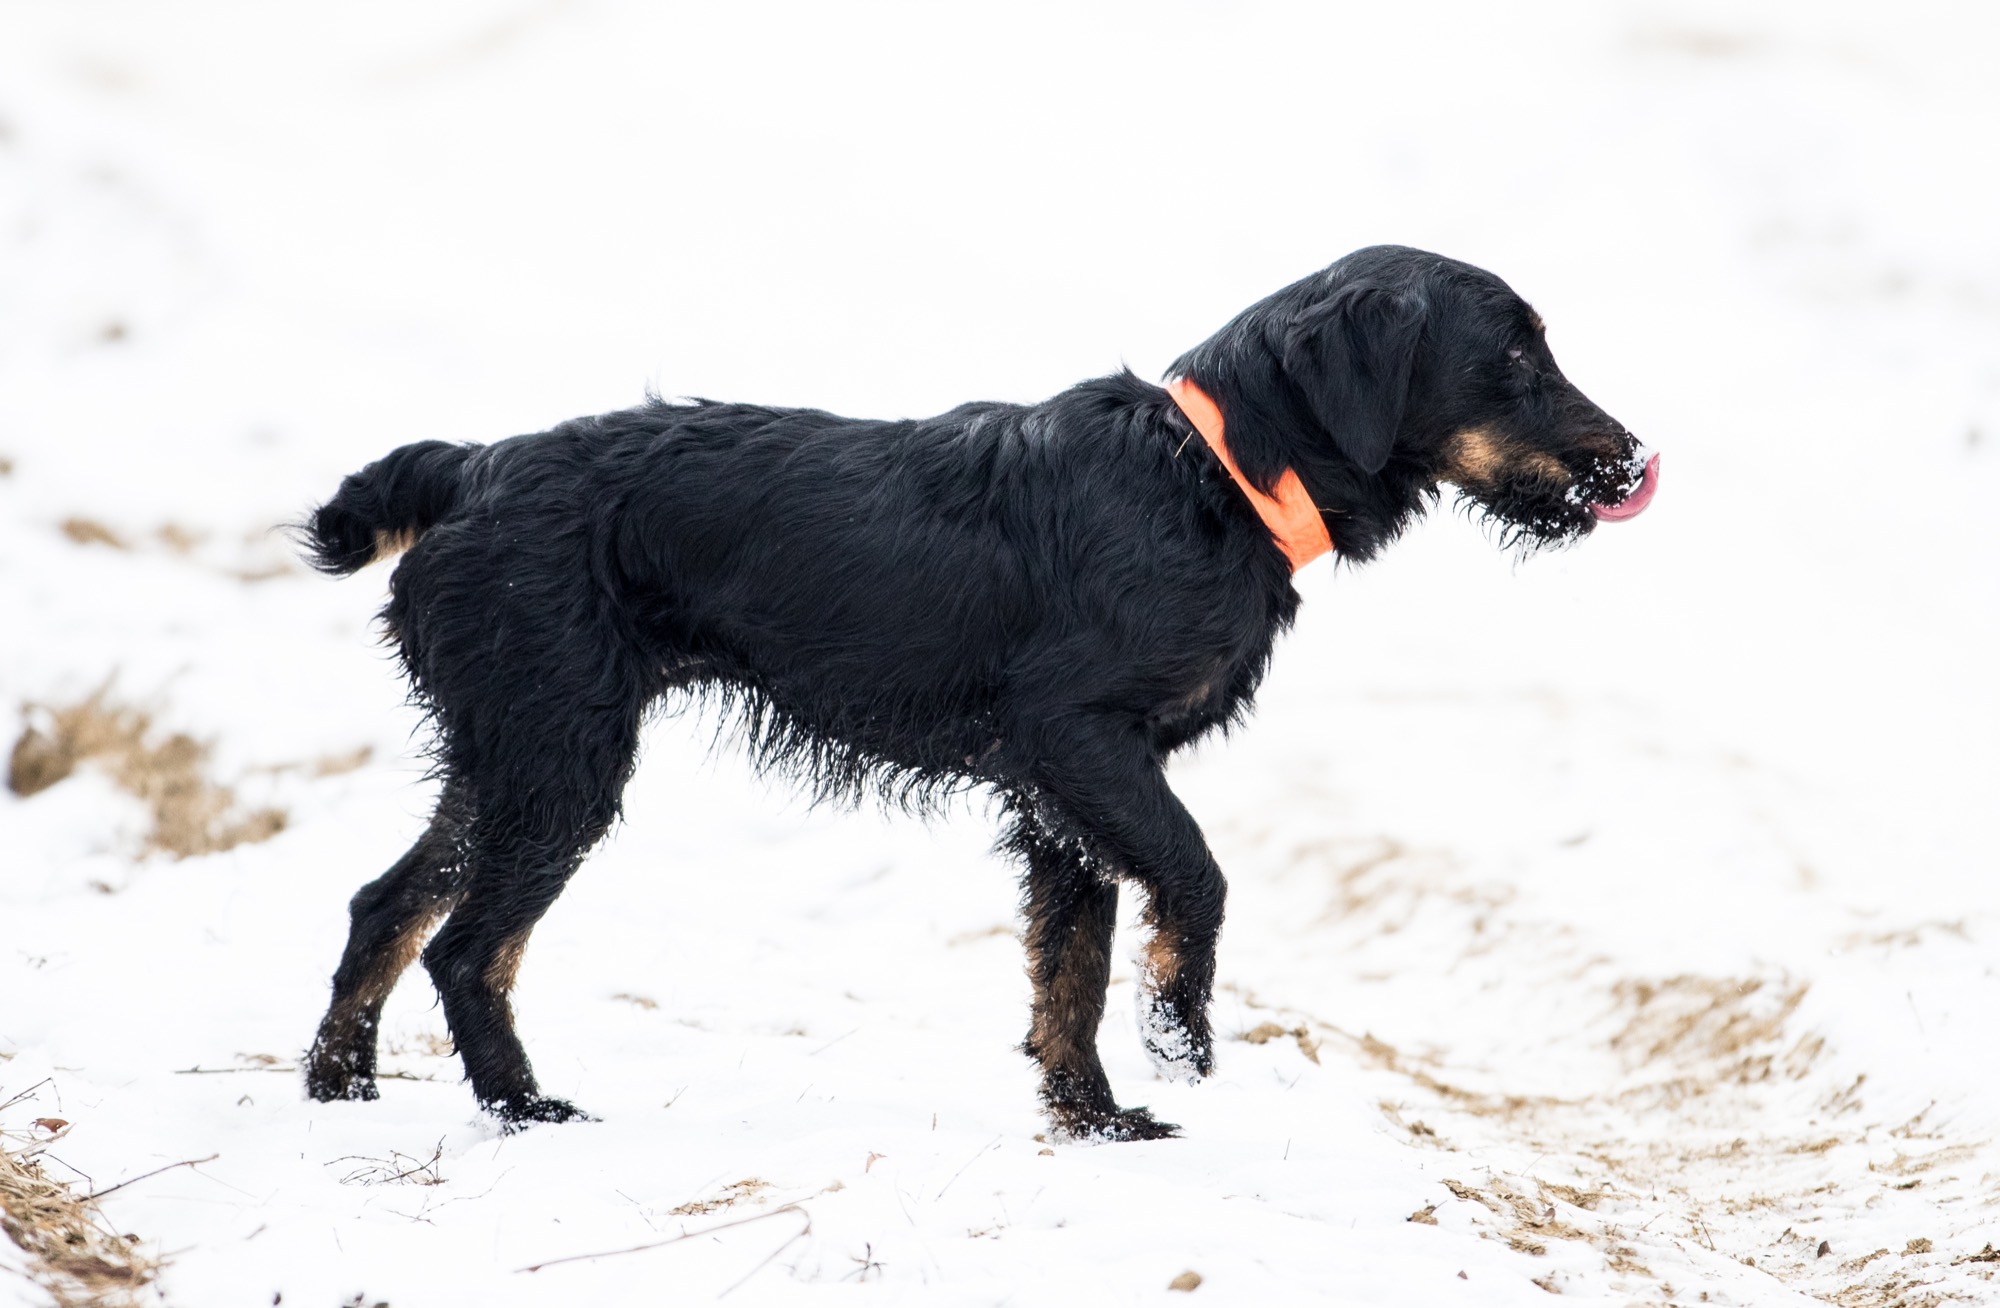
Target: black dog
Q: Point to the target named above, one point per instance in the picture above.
(1043, 599)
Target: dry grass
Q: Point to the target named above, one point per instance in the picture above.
(1265, 1032)
(191, 814)
(426, 1044)
(259, 557)
(397, 1169)
(179, 539)
(89, 531)
(747, 1188)
(72, 1255)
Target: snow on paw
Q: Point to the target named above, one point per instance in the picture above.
(1117, 1127)
(1178, 1050)
(331, 1079)
(520, 1113)
(328, 1090)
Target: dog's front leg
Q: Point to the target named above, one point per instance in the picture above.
(1114, 788)
(1071, 904)
(1183, 917)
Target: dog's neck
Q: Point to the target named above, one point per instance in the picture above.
(1294, 521)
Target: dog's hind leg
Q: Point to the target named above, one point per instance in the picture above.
(1112, 786)
(390, 918)
(541, 807)
(1072, 907)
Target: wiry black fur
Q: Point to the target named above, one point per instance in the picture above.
(1046, 600)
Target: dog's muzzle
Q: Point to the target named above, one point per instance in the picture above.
(1635, 503)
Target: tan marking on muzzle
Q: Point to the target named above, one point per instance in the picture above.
(1477, 457)
(1473, 456)
(1546, 465)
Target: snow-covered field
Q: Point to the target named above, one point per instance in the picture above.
(1621, 924)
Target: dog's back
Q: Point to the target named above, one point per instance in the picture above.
(876, 595)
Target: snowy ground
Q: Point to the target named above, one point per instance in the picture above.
(1621, 924)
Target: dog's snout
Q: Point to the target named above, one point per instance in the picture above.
(1635, 503)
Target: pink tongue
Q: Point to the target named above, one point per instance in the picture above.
(1635, 503)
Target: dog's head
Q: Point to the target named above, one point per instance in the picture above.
(1394, 371)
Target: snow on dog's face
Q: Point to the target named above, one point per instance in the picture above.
(1496, 418)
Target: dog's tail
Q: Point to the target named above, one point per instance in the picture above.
(382, 509)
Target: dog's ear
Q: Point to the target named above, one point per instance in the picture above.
(1350, 356)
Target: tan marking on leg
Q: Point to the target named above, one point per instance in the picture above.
(1211, 684)
(1160, 956)
(1194, 699)
(500, 973)
(1070, 970)
(346, 1037)
(1069, 1005)
(391, 963)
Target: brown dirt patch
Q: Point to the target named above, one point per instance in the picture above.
(179, 539)
(1707, 1123)
(1685, 1019)
(89, 531)
(191, 814)
(1526, 1223)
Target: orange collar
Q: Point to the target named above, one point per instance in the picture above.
(1293, 519)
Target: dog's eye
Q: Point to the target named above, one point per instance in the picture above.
(1514, 355)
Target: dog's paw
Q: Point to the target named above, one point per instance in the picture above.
(1115, 1127)
(330, 1090)
(524, 1111)
(1179, 1049)
(330, 1079)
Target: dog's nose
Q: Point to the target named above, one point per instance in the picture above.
(1635, 503)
